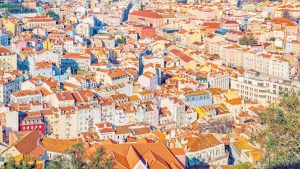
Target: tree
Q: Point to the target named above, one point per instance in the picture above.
(100, 160)
(59, 161)
(280, 136)
(11, 164)
(76, 152)
(122, 40)
(241, 165)
(217, 126)
(247, 40)
(78, 158)
(53, 15)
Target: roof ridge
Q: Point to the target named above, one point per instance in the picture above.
(18, 141)
(157, 158)
(115, 154)
(134, 157)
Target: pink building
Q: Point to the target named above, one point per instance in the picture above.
(149, 81)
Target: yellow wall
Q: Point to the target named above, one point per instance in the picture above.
(231, 94)
(47, 45)
(9, 26)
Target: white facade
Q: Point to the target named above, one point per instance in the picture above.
(262, 90)
(12, 120)
(148, 82)
(219, 80)
(26, 96)
(8, 87)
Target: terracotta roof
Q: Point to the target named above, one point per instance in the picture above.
(203, 141)
(75, 56)
(26, 93)
(38, 151)
(177, 151)
(29, 142)
(4, 51)
(116, 73)
(235, 101)
(62, 96)
(201, 92)
(146, 14)
(44, 91)
(128, 155)
(213, 25)
(181, 55)
(243, 144)
(43, 65)
(141, 130)
(57, 145)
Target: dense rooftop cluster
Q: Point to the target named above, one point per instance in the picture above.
(158, 84)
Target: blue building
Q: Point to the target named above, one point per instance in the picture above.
(126, 12)
(69, 63)
(143, 53)
(199, 98)
(4, 39)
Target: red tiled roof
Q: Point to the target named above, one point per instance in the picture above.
(146, 14)
(181, 55)
(28, 142)
(211, 25)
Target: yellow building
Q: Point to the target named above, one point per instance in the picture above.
(47, 45)
(205, 111)
(231, 94)
(187, 38)
(12, 25)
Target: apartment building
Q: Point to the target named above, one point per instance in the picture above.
(218, 80)
(203, 150)
(38, 21)
(255, 87)
(8, 59)
(26, 96)
(10, 82)
(273, 65)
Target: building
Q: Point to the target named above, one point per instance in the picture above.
(183, 59)
(32, 121)
(12, 25)
(4, 39)
(38, 21)
(84, 29)
(116, 76)
(147, 18)
(148, 80)
(33, 142)
(203, 150)
(176, 108)
(10, 83)
(218, 79)
(26, 96)
(78, 60)
(198, 98)
(8, 59)
(262, 89)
